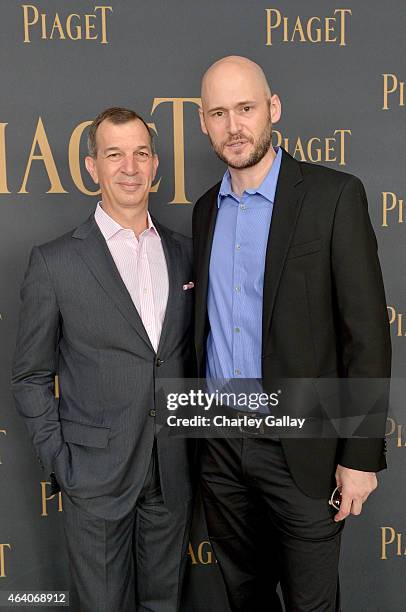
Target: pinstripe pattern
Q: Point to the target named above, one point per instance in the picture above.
(142, 267)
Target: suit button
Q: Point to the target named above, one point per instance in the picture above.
(158, 362)
(152, 412)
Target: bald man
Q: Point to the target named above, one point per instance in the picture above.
(288, 285)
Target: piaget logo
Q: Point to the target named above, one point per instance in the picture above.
(3, 558)
(73, 26)
(4, 433)
(316, 29)
(40, 153)
(45, 498)
(396, 320)
(202, 554)
(316, 149)
(178, 143)
(395, 430)
(392, 209)
(392, 543)
(393, 91)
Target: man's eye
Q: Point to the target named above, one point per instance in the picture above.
(218, 114)
(113, 155)
(142, 155)
(246, 109)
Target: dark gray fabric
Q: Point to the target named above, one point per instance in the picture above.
(126, 498)
(78, 319)
(134, 563)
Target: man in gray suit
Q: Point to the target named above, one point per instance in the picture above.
(108, 307)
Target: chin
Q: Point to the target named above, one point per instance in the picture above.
(238, 160)
(238, 164)
(128, 203)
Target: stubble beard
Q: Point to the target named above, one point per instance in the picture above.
(261, 148)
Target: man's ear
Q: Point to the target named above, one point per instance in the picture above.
(91, 168)
(275, 109)
(202, 121)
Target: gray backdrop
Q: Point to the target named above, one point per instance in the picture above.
(339, 108)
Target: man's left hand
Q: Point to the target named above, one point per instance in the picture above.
(355, 489)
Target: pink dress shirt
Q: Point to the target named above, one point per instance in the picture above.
(142, 266)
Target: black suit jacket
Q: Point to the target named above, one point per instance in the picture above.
(78, 319)
(324, 308)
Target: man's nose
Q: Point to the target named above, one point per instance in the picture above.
(233, 124)
(129, 164)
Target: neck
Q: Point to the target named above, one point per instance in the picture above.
(251, 178)
(134, 219)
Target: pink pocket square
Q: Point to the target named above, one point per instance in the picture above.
(189, 285)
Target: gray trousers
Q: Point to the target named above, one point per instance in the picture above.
(133, 564)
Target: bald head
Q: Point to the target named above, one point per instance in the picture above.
(233, 69)
(238, 111)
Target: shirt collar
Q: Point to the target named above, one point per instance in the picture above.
(109, 227)
(267, 188)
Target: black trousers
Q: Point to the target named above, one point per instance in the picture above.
(264, 529)
(133, 564)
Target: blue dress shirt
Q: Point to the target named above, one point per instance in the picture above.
(236, 278)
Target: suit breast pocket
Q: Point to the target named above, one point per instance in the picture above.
(305, 248)
(186, 296)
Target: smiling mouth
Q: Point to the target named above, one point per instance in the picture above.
(130, 186)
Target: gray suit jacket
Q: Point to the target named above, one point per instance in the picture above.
(78, 320)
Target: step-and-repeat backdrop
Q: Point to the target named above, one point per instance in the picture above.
(339, 70)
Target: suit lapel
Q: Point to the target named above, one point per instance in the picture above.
(204, 241)
(173, 258)
(94, 251)
(288, 200)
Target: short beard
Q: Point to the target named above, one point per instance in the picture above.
(263, 145)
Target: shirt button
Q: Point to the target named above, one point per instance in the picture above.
(238, 288)
(243, 206)
(237, 371)
(237, 247)
(152, 412)
(237, 330)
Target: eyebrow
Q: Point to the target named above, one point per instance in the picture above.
(221, 108)
(139, 148)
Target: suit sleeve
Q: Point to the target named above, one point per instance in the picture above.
(362, 313)
(35, 360)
